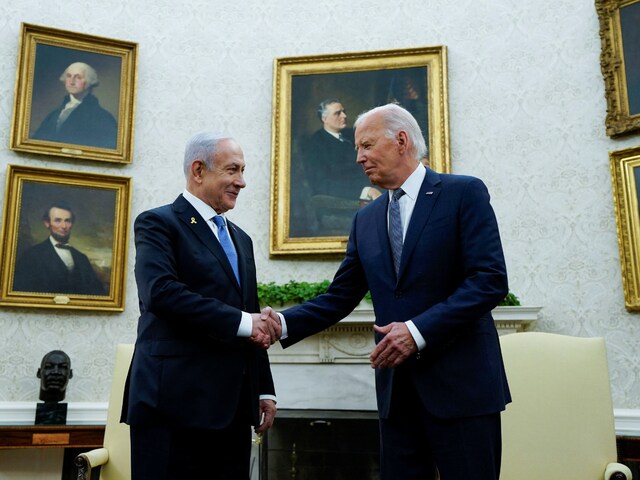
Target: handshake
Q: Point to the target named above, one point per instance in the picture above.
(266, 329)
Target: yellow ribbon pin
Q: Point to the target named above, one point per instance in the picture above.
(193, 220)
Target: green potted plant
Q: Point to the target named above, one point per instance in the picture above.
(278, 295)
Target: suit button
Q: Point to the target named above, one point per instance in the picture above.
(398, 294)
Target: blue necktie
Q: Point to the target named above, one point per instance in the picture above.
(395, 228)
(227, 246)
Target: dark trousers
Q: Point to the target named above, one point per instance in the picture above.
(173, 453)
(414, 445)
(164, 453)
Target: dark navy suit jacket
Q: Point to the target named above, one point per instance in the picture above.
(452, 274)
(189, 366)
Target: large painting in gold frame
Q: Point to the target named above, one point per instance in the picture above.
(101, 126)
(64, 239)
(620, 63)
(305, 219)
(625, 174)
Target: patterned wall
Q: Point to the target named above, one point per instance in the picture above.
(526, 109)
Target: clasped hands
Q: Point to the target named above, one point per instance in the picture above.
(266, 329)
(394, 348)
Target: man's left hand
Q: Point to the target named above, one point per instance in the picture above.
(268, 409)
(396, 346)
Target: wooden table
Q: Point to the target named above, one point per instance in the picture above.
(51, 436)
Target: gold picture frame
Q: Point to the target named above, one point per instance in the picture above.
(625, 174)
(305, 219)
(101, 126)
(620, 64)
(89, 211)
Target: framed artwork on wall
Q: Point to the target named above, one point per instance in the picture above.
(625, 174)
(74, 95)
(316, 184)
(620, 63)
(64, 239)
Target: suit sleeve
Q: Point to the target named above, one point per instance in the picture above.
(347, 289)
(481, 267)
(175, 285)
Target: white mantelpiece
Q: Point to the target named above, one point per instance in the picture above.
(331, 370)
(351, 340)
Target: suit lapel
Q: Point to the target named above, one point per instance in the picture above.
(429, 192)
(242, 255)
(198, 225)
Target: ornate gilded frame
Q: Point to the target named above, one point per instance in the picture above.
(101, 204)
(620, 64)
(43, 56)
(362, 81)
(625, 174)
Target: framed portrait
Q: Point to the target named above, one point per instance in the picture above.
(74, 95)
(625, 174)
(620, 63)
(64, 239)
(316, 184)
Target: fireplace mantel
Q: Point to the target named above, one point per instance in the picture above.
(351, 340)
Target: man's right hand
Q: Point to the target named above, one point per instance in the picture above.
(266, 328)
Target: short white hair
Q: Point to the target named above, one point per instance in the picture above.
(90, 75)
(396, 118)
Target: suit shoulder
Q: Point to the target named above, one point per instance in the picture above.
(457, 178)
(157, 211)
(36, 250)
(451, 180)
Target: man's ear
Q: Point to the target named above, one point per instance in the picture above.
(197, 169)
(70, 373)
(38, 374)
(403, 141)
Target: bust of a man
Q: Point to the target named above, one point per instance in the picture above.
(54, 374)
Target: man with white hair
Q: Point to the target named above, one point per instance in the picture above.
(79, 119)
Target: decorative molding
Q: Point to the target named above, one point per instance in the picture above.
(78, 413)
(351, 340)
(627, 421)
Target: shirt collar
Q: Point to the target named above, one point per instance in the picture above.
(202, 208)
(73, 100)
(55, 242)
(412, 184)
(333, 134)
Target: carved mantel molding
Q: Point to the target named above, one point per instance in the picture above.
(351, 340)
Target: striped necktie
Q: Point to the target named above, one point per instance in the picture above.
(395, 228)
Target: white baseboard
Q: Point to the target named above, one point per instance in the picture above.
(78, 413)
(627, 421)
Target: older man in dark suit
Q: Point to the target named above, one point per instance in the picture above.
(430, 253)
(200, 376)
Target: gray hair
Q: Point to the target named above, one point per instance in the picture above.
(322, 108)
(395, 119)
(90, 75)
(202, 146)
